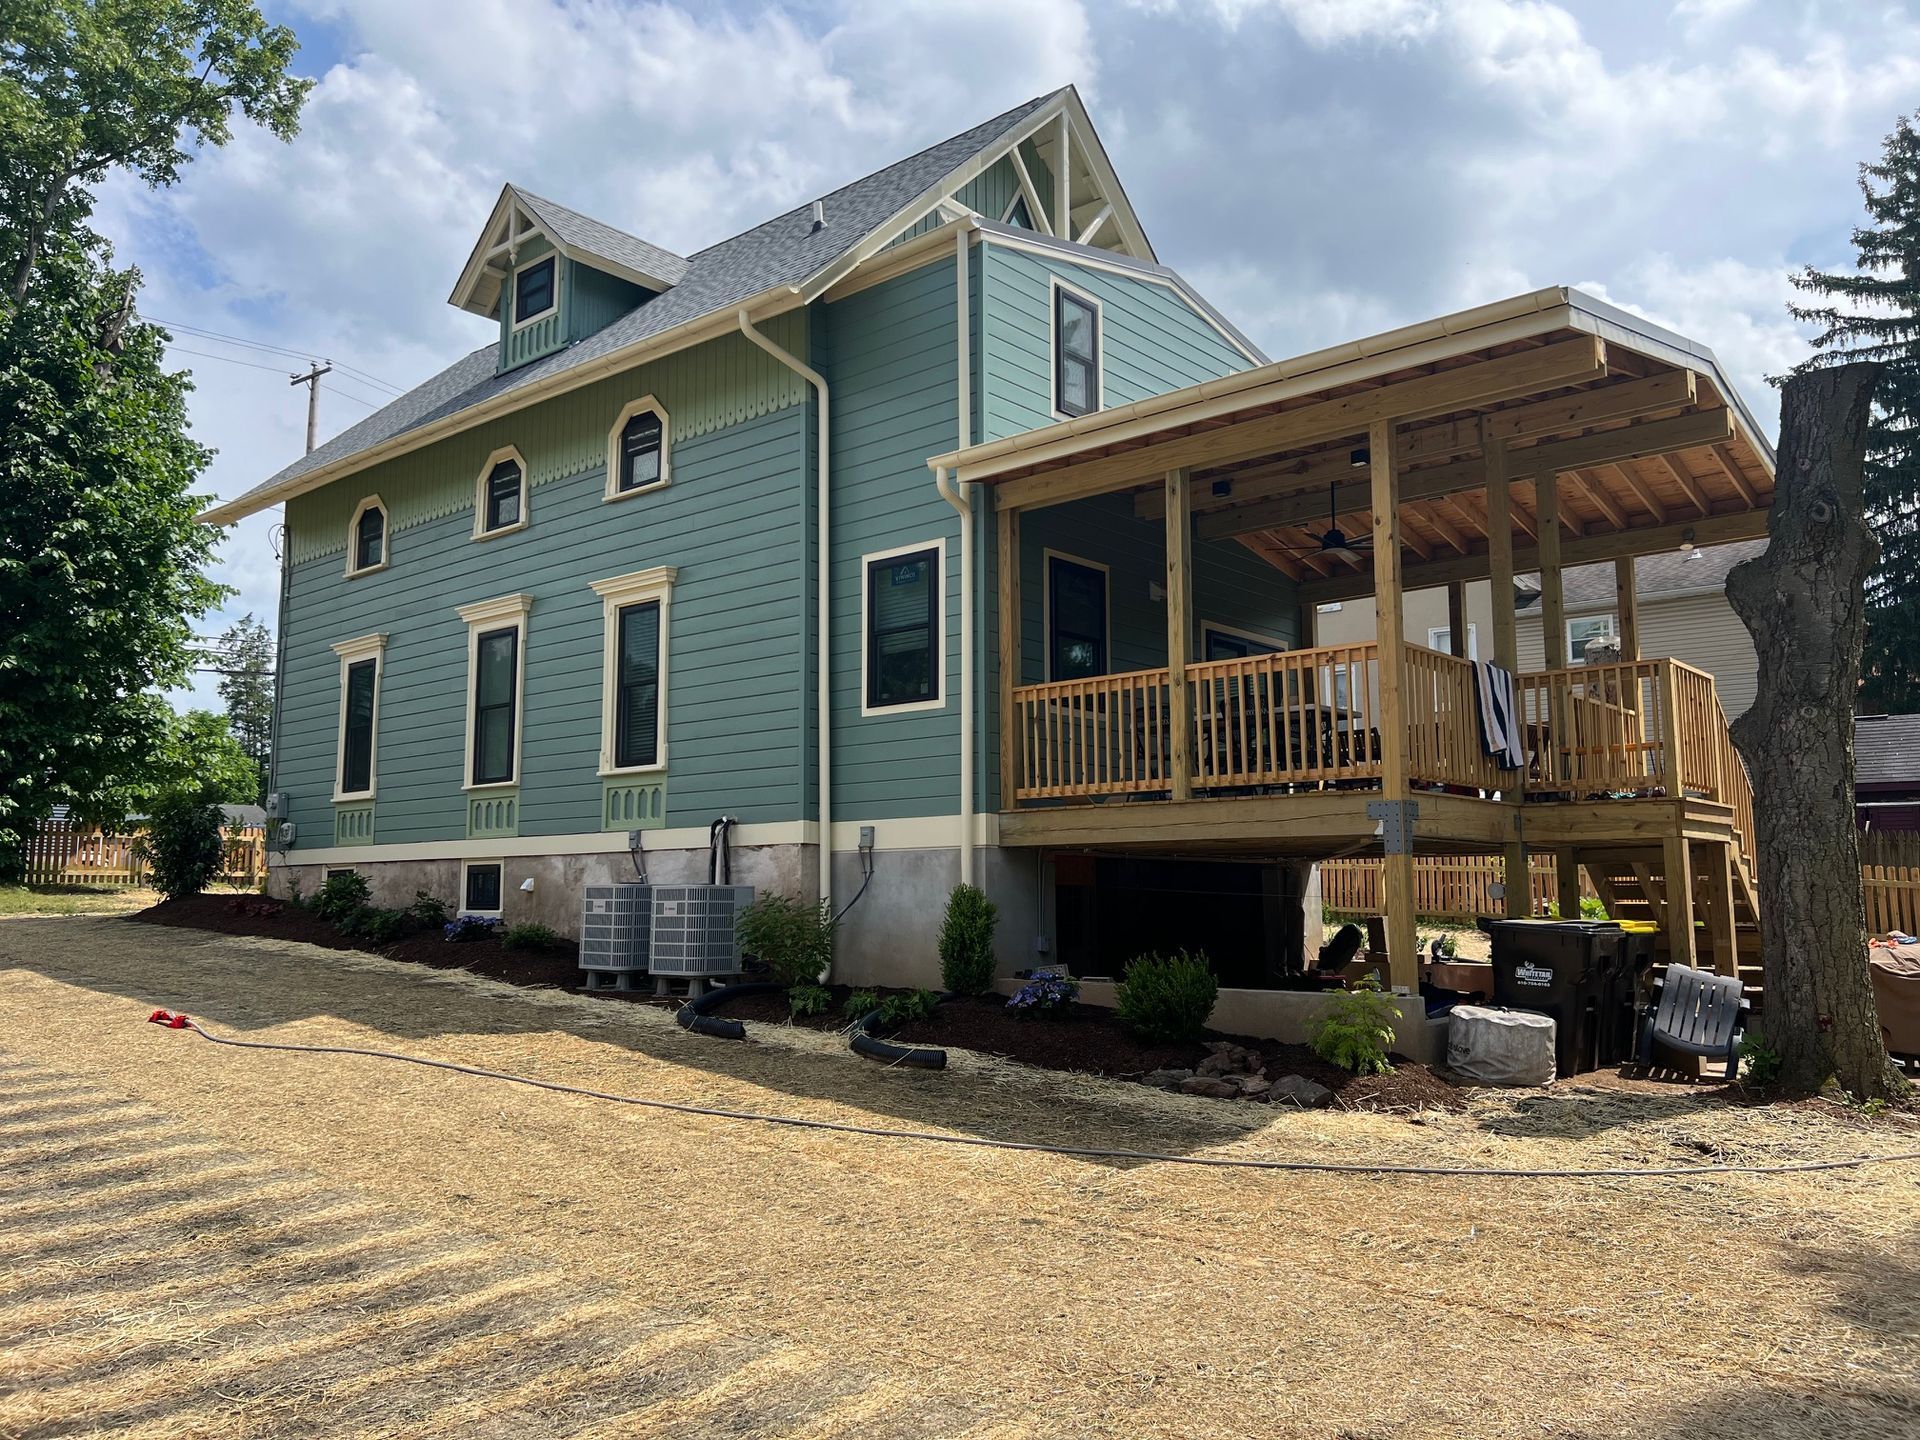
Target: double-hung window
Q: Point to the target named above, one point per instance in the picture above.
(637, 609)
(367, 537)
(637, 449)
(360, 665)
(533, 290)
(1218, 642)
(901, 631)
(1077, 619)
(500, 495)
(1076, 352)
(496, 685)
(1583, 628)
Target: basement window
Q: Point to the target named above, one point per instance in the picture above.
(480, 888)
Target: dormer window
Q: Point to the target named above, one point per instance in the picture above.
(500, 495)
(637, 450)
(367, 537)
(533, 290)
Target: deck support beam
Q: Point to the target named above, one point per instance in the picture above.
(1179, 631)
(1390, 626)
(1626, 605)
(1716, 873)
(1506, 641)
(1678, 863)
(1012, 748)
(1553, 598)
(1457, 619)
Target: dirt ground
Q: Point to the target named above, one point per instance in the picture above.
(201, 1241)
(73, 900)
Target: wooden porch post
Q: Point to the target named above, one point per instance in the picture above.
(1506, 643)
(1716, 870)
(1679, 868)
(1389, 619)
(1553, 601)
(1626, 605)
(1012, 743)
(1457, 619)
(1179, 631)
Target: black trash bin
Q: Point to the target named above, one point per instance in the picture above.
(1623, 1003)
(1569, 969)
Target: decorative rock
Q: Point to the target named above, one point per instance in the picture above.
(1298, 1090)
(1218, 1063)
(1166, 1079)
(1252, 1085)
(1206, 1085)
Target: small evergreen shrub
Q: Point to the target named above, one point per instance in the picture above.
(184, 846)
(860, 1004)
(383, 927)
(1356, 1028)
(528, 935)
(1047, 993)
(966, 941)
(906, 1007)
(429, 912)
(792, 938)
(341, 898)
(1167, 998)
(804, 1001)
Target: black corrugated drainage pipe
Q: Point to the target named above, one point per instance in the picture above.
(914, 1057)
(693, 1015)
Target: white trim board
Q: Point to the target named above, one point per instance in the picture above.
(941, 687)
(504, 453)
(508, 612)
(640, 587)
(1055, 285)
(644, 404)
(353, 652)
(369, 502)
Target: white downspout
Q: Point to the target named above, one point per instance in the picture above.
(952, 495)
(823, 604)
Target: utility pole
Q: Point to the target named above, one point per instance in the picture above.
(312, 381)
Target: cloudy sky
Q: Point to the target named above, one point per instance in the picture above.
(1321, 169)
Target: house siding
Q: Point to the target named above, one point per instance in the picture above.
(1700, 629)
(731, 521)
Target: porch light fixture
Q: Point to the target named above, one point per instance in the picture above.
(1360, 457)
(1222, 488)
(1689, 550)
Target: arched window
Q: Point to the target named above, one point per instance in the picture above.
(637, 449)
(500, 495)
(367, 537)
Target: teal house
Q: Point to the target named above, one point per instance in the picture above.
(667, 548)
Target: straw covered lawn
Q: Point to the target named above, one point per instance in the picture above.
(201, 1241)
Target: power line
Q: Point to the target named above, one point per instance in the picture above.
(349, 395)
(205, 355)
(205, 333)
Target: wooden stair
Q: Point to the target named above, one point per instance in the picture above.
(1632, 884)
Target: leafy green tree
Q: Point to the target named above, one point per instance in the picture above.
(1873, 313)
(246, 688)
(101, 559)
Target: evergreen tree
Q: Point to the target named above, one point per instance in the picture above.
(1873, 314)
(246, 688)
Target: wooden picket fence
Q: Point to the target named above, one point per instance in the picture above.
(61, 852)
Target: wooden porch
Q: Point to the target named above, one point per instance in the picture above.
(1544, 431)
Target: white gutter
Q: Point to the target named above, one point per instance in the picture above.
(952, 495)
(823, 612)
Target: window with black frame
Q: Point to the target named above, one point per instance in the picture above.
(640, 446)
(903, 609)
(506, 486)
(482, 889)
(495, 699)
(356, 742)
(636, 734)
(533, 291)
(370, 539)
(1076, 354)
(1076, 620)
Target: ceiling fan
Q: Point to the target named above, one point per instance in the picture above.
(1334, 541)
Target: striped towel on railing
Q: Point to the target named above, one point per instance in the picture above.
(1499, 726)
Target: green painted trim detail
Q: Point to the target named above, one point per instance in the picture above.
(703, 389)
(353, 824)
(493, 815)
(634, 804)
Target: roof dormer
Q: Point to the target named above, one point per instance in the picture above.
(551, 276)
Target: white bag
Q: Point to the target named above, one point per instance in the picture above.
(1500, 1047)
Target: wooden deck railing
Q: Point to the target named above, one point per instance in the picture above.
(1103, 736)
(1295, 717)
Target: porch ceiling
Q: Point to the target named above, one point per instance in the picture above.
(1640, 429)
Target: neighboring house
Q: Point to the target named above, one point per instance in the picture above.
(1683, 613)
(550, 614)
(1886, 776)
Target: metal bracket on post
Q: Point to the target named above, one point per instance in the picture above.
(1396, 819)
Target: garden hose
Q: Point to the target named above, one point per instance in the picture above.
(1078, 1152)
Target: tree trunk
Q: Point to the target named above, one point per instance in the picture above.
(1804, 600)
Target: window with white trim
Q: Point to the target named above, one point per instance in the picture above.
(637, 612)
(535, 288)
(1076, 352)
(1440, 637)
(481, 884)
(1223, 642)
(1583, 628)
(637, 459)
(357, 751)
(902, 639)
(500, 495)
(496, 688)
(367, 537)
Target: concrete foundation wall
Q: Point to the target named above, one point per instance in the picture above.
(891, 935)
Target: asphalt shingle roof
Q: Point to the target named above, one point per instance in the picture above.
(783, 250)
(1886, 751)
(1666, 572)
(587, 235)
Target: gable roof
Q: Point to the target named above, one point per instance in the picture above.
(783, 251)
(588, 239)
(1663, 575)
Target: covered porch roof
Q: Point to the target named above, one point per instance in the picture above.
(1645, 438)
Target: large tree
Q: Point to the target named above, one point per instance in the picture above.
(101, 561)
(245, 662)
(1872, 313)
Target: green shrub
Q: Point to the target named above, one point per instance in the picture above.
(341, 898)
(966, 941)
(792, 938)
(529, 935)
(383, 927)
(1166, 998)
(1356, 1028)
(184, 846)
(1763, 1062)
(906, 1007)
(860, 1004)
(807, 1000)
(429, 912)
